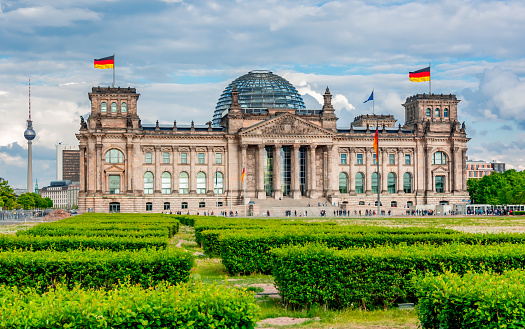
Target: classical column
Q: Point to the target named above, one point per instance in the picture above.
(351, 171)
(261, 193)
(369, 169)
(211, 173)
(158, 174)
(428, 168)
(83, 171)
(458, 170)
(400, 172)
(129, 167)
(277, 171)
(330, 181)
(175, 176)
(384, 171)
(193, 174)
(296, 190)
(312, 183)
(99, 167)
(244, 148)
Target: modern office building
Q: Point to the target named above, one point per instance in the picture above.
(477, 169)
(64, 193)
(68, 162)
(264, 144)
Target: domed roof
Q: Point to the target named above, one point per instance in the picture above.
(29, 134)
(259, 90)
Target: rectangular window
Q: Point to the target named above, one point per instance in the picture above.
(166, 206)
(218, 158)
(440, 184)
(407, 159)
(343, 159)
(201, 158)
(184, 158)
(165, 157)
(149, 206)
(359, 158)
(375, 158)
(148, 157)
(470, 174)
(114, 184)
(391, 159)
(184, 205)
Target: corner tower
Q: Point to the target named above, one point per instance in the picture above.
(437, 112)
(113, 108)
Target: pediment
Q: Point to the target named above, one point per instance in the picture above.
(440, 170)
(114, 168)
(285, 125)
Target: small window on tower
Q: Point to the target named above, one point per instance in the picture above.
(103, 107)
(113, 107)
(124, 107)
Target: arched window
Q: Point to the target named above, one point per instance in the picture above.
(114, 156)
(343, 183)
(166, 183)
(184, 205)
(201, 183)
(445, 113)
(148, 182)
(218, 181)
(113, 107)
(359, 183)
(407, 182)
(374, 182)
(436, 114)
(103, 107)
(391, 182)
(124, 107)
(439, 158)
(183, 183)
(429, 112)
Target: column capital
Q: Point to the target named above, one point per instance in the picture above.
(312, 146)
(261, 146)
(98, 146)
(243, 146)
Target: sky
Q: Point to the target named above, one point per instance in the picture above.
(181, 55)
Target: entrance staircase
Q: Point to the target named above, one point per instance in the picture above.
(304, 207)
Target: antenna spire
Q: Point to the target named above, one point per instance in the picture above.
(29, 99)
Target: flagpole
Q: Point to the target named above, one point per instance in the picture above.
(244, 188)
(429, 79)
(373, 102)
(113, 70)
(217, 188)
(378, 176)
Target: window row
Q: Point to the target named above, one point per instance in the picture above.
(114, 106)
(360, 161)
(184, 183)
(437, 113)
(116, 156)
(360, 182)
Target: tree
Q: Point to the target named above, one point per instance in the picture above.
(7, 196)
(49, 203)
(33, 200)
(498, 188)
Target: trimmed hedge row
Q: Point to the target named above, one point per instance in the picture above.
(94, 268)
(65, 243)
(314, 274)
(36, 231)
(249, 252)
(183, 306)
(484, 300)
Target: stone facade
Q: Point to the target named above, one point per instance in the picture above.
(286, 154)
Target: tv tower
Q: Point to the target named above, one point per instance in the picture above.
(29, 134)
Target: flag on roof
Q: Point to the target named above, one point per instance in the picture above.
(420, 75)
(371, 98)
(105, 63)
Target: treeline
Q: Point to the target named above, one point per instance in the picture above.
(9, 200)
(498, 188)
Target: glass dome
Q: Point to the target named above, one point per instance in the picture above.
(259, 91)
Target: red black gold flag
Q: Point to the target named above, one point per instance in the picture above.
(420, 75)
(105, 63)
(375, 144)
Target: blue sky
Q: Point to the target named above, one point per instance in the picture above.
(180, 55)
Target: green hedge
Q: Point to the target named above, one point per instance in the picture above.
(518, 213)
(473, 300)
(94, 268)
(165, 306)
(245, 252)
(365, 277)
(65, 243)
(36, 231)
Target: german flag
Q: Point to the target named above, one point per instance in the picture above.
(375, 144)
(105, 63)
(243, 174)
(420, 75)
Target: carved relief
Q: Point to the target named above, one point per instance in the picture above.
(286, 125)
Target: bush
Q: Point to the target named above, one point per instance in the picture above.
(518, 213)
(65, 243)
(472, 300)
(313, 274)
(245, 252)
(94, 268)
(165, 306)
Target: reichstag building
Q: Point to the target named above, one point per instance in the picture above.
(290, 154)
